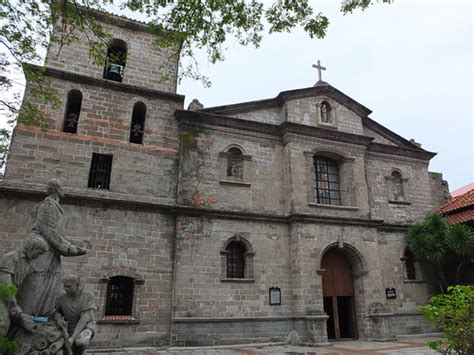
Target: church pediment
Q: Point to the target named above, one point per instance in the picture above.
(320, 89)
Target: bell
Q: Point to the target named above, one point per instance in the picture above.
(115, 69)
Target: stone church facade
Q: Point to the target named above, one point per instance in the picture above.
(231, 224)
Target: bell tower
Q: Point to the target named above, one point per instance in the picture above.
(113, 130)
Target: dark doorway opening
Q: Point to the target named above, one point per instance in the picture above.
(338, 295)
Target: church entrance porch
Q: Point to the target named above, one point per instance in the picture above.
(338, 295)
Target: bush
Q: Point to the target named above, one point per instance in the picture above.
(453, 314)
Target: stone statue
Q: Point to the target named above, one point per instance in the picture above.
(15, 266)
(36, 270)
(325, 113)
(77, 308)
(46, 281)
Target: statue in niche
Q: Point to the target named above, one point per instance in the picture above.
(325, 112)
(38, 276)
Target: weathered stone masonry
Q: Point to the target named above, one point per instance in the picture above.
(173, 208)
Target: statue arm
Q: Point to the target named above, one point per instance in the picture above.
(48, 224)
(86, 317)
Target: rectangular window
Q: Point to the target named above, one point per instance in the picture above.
(101, 168)
(326, 181)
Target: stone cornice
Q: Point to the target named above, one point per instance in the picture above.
(318, 132)
(107, 84)
(83, 197)
(400, 151)
(198, 118)
(285, 96)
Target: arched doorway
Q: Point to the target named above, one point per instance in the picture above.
(338, 295)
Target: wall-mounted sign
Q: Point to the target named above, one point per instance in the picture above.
(275, 296)
(390, 293)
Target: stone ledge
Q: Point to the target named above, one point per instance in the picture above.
(118, 320)
(402, 203)
(334, 207)
(235, 280)
(235, 183)
(245, 319)
(107, 84)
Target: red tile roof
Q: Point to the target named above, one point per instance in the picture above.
(461, 208)
(459, 202)
(461, 217)
(462, 190)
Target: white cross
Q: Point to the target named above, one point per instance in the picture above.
(319, 67)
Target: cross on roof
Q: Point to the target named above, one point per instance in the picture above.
(319, 67)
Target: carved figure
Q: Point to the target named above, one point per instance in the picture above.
(77, 308)
(15, 266)
(44, 284)
(325, 112)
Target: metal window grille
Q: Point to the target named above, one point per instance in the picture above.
(236, 260)
(326, 181)
(119, 296)
(101, 168)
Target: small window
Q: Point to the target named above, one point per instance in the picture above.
(325, 112)
(138, 123)
(397, 185)
(235, 163)
(101, 168)
(73, 110)
(120, 296)
(236, 260)
(326, 181)
(410, 268)
(115, 60)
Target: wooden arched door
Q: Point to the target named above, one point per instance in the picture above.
(338, 293)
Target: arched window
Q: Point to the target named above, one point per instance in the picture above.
(120, 296)
(73, 110)
(137, 126)
(116, 60)
(236, 260)
(325, 112)
(235, 163)
(397, 184)
(409, 262)
(326, 181)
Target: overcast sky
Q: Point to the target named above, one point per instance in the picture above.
(410, 62)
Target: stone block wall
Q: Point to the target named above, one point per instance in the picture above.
(203, 180)
(417, 201)
(202, 288)
(104, 127)
(306, 111)
(147, 65)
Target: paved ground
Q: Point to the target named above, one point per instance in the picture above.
(411, 346)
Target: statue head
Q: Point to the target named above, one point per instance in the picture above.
(35, 247)
(72, 284)
(55, 187)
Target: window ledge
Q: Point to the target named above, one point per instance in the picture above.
(118, 320)
(413, 281)
(225, 279)
(235, 183)
(329, 125)
(334, 207)
(394, 202)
